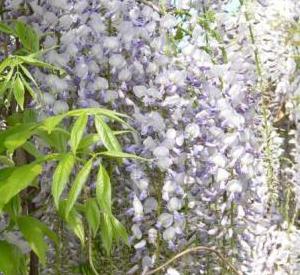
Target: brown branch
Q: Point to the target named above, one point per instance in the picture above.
(194, 249)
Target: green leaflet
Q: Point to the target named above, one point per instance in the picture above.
(13, 207)
(115, 154)
(106, 135)
(6, 29)
(30, 59)
(119, 230)
(6, 161)
(19, 92)
(106, 232)
(17, 136)
(87, 141)
(6, 83)
(73, 220)
(12, 261)
(103, 190)
(58, 139)
(92, 214)
(77, 132)
(77, 186)
(31, 149)
(61, 176)
(50, 123)
(28, 87)
(19, 179)
(34, 231)
(27, 36)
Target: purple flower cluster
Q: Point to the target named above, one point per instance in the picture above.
(207, 120)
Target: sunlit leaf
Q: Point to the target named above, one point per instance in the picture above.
(77, 132)
(115, 154)
(51, 122)
(19, 92)
(92, 214)
(106, 135)
(17, 136)
(61, 176)
(12, 261)
(87, 141)
(19, 179)
(106, 232)
(27, 36)
(77, 186)
(103, 190)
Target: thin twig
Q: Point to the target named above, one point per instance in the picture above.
(194, 249)
(151, 5)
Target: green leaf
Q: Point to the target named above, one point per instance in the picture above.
(7, 83)
(119, 230)
(115, 154)
(77, 186)
(6, 29)
(57, 140)
(28, 87)
(61, 176)
(34, 231)
(14, 207)
(27, 36)
(29, 59)
(31, 149)
(6, 161)
(17, 136)
(73, 220)
(19, 179)
(29, 76)
(12, 261)
(5, 174)
(122, 132)
(179, 34)
(87, 141)
(19, 91)
(92, 214)
(50, 123)
(77, 132)
(106, 134)
(103, 190)
(106, 232)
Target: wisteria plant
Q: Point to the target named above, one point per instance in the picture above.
(75, 144)
(207, 89)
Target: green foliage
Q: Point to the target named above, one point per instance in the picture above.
(93, 215)
(34, 232)
(15, 79)
(20, 178)
(12, 261)
(71, 145)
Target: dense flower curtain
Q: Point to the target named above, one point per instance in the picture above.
(212, 89)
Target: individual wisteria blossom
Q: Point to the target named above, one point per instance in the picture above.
(204, 83)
